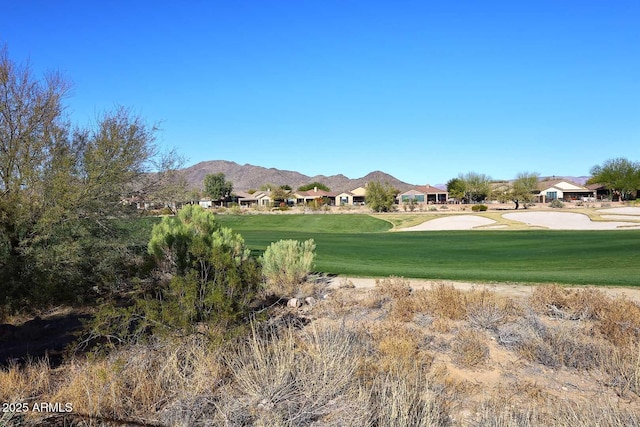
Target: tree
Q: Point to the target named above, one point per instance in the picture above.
(60, 190)
(621, 176)
(380, 197)
(312, 185)
(280, 194)
(521, 190)
(477, 186)
(456, 188)
(217, 187)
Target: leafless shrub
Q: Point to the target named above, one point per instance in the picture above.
(485, 314)
(563, 344)
(469, 349)
(568, 304)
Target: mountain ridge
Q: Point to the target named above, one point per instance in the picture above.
(247, 176)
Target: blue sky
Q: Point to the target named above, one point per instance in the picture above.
(423, 90)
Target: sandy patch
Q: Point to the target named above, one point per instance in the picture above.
(622, 211)
(619, 217)
(566, 221)
(454, 222)
(514, 290)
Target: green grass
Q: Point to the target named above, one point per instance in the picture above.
(536, 256)
(314, 223)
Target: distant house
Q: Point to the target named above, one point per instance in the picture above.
(353, 197)
(206, 203)
(304, 197)
(601, 191)
(259, 198)
(564, 190)
(424, 194)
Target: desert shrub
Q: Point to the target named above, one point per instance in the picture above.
(288, 379)
(442, 300)
(555, 413)
(623, 366)
(213, 276)
(406, 400)
(204, 273)
(286, 264)
(479, 208)
(556, 203)
(485, 314)
(619, 322)
(564, 343)
(397, 350)
(394, 295)
(469, 349)
(568, 304)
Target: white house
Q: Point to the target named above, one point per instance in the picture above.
(562, 190)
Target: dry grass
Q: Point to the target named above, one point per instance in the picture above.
(140, 380)
(559, 413)
(392, 356)
(283, 378)
(20, 383)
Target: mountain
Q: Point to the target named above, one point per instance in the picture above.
(245, 177)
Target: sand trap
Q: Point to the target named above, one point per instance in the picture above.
(454, 222)
(622, 211)
(619, 217)
(566, 221)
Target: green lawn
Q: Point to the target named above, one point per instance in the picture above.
(358, 245)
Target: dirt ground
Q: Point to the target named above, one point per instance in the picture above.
(514, 290)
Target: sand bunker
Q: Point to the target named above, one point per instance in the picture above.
(454, 222)
(621, 211)
(619, 217)
(566, 221)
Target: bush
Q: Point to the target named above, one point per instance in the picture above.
(469, 349)
(557, 204)
(203, 274)
(286, 264)
(479, 208)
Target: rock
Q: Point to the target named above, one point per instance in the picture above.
(294, 303)
(310, 300)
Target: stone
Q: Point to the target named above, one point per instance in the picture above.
(294, 303)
